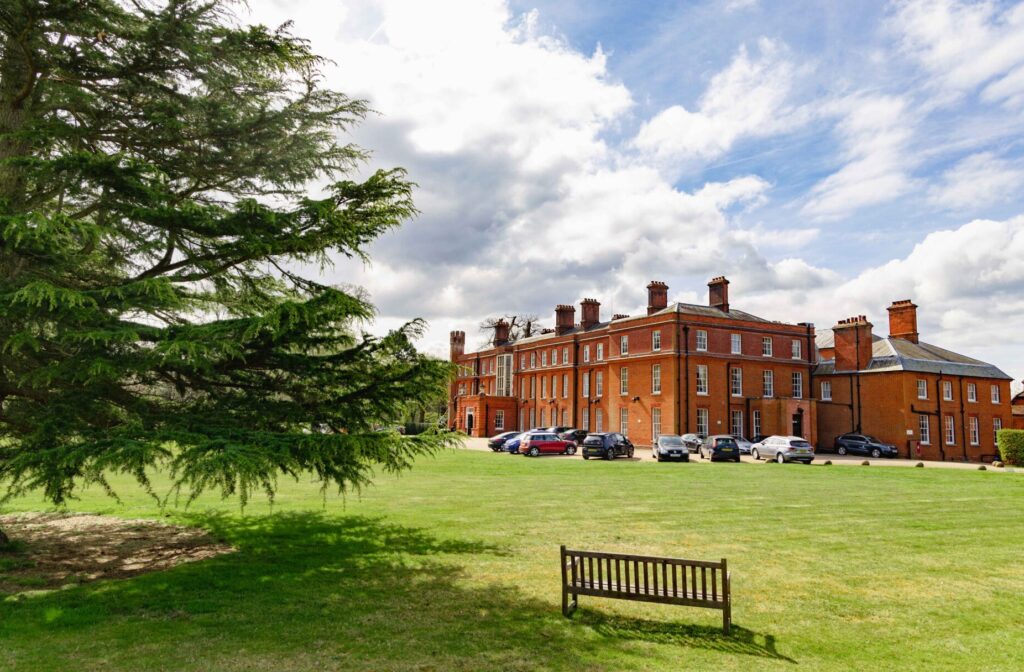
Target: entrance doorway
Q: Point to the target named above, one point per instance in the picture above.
(469, 421)
(798, 424)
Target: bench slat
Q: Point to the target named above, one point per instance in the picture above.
(649, 558)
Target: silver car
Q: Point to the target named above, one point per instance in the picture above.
(693, 442)
(784, 449)
(670, 447)
(745, 445)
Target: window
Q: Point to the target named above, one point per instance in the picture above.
(599, 383)
(995, 394)
(947, 390)
(544, 358)
(586, 353)
(736, 382)
(925, 429)
(798, 385)
(950, 431)
(600, 351)
(702, 421)
(554, 387)
(755, 429)
(543, 416)
(826, 390)
(702, 379)
(533, 387)
(655, 423)
(504, 388)
(533, 360)
(736, 423)
(544, 387)
(624, 421)
(586, 419)
(499, 419)
(972, 392)
(656, 379)
(997, 424)
(565, 355)
(462, 389)
(737, 344)
(597, 418)
(565, 386)
(522, 362)
(586, 384)
(766, 346)
(769, 383)
(797, 352)
(975, 431)
(702, 340)
(624, 381)
(554, 357)
(656, 340)
(533, 418)
(624, 345)
(922, 389)
(565, 417)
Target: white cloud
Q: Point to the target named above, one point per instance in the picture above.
(737, 5)
(978, 180)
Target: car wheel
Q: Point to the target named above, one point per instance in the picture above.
(609, 454)
(737, 460)
(534, 452)
(586, 457)
(876, 453)
(657, 457)
(780, 458)
(841, 450)
(570, 450)
(754, 454)
(629, 453)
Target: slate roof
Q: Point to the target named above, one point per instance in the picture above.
(898, 354)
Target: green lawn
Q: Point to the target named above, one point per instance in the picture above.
(454, 566)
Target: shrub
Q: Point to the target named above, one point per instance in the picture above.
(920, 464)
(828, 462)
(982, 467)
(997, 464)
(1011, 446)
(865, 463)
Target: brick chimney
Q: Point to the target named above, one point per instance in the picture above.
(903, 320)
(590, 312)
(657, 296)
(853, 343)
(500, 333)
(718, 293)
(457, 344)
(565, 318)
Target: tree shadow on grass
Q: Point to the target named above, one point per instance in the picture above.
(314, 591)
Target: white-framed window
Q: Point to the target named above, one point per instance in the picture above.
(565, 417)
(997, 424)
(543, 417)
(586, 419)
(586, 384)
(922, 389)
(599, 383)
(544, 387)
(554, 387)
(565, 355)
(533, 418)
(544, 358)
(737, 344)
(702, 421)
(768, 383)
(736, 423)
(624, 380)
(995, 394)
(826, 390)
(533, 360)
(656, 379)
(656, 340)
(924, 427)
(504, 376)
(624, 344)
(655, 423)
(975, 430)
(766, 346)
(736, 381)
(798, 385)
(797, 350)
(702, 379)
(533, 387)
(499, 420)
(972, 392)
(600, 351)
(624, 421)
(522, 362)
(554, 356)
(702, 340)
(462, 389)
(565, 387)
(598, 418)
(755, 428)
(950, 430)
(586, 353)
(947, 390)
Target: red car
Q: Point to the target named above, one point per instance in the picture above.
(536, 443)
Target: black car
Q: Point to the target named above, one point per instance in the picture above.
(497, 442)
(720, 447)
(607, 445)
(862, 444)
(576, 435)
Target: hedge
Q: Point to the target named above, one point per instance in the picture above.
(1011, 446)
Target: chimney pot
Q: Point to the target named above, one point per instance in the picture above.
(590, 313)
(718, 293)
(657, 296)
(565, 318)
(903, 320)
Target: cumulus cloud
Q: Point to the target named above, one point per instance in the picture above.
(977, 180)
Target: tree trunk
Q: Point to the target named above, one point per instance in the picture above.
(4, 540)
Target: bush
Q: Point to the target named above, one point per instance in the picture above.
(865, 463)
(1011, 446)
(920, 465)
(828, 462)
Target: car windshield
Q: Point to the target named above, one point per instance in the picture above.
(799, 444)
(726, 443)
(871, 439)
(740, 438)
(670, 441)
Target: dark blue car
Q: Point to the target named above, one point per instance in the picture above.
(512, 443)
(497, 442)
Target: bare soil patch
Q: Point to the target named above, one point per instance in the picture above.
(53, 549)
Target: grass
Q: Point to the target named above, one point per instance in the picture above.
(454, 566)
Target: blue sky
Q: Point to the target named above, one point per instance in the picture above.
(827, 157)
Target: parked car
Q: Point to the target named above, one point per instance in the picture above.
(784, 449)
(607, 445)
(497, 442)
(557, 430)
(720, 447)
(862, 444)
(512, 443)
(535, 443)
(576, 435)
(670, 447)
(758, 438)
(744, 445)
(693, 442)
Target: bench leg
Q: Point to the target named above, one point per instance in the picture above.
(726, 618)
(568, 607)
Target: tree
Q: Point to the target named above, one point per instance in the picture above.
(154, 232)
(519, 326)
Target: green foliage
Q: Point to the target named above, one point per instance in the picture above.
(154, 229)
(1011, 446)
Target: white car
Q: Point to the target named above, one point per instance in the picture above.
(784, 449)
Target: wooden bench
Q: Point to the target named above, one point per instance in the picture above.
(689, 583)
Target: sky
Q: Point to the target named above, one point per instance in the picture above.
(828, 158)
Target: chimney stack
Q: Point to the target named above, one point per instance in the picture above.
(657, 296)
(457, 344)
(903, 320)
(500, 332)
(853, 343)
(565, 318)
(718, 293)
(590, 313)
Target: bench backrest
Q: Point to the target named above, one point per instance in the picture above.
(623, 575)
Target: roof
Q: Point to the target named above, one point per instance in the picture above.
(899, 354)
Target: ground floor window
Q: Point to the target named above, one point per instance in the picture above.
(950, 431)
(702, 421)
(975, 431)
(925, 429)
(586, 419)
(826, 390)
(499, 419)
(655, 423)
(533, 418)
(543, 417)
(736, 423)
(997, 424)
(755, 424)
(597, 420)
(624, 421)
